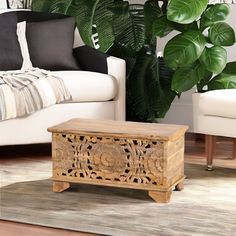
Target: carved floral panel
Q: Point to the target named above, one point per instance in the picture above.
(105, 159)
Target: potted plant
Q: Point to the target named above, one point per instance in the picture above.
(197, 52)
(129, 31)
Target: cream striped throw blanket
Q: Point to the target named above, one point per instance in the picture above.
(24, 92)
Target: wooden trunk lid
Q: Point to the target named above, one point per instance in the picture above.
(165, 132)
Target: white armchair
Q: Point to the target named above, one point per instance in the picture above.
(214, 114)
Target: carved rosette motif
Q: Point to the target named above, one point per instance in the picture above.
(108, 159)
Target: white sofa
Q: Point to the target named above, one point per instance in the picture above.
(94, 95)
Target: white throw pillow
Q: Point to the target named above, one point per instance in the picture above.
(21, 34)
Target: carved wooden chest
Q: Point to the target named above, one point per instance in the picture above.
(121, 154)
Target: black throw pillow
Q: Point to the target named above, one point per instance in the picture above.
(10, 52)
(50, 44)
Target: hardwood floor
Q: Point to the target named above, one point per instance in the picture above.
(41, 153)
(195, 151)
(14, 229)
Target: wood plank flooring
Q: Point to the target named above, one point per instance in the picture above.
(195, 151)
(8, 228)
(41, 153)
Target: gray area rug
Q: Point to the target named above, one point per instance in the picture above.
(207, 206)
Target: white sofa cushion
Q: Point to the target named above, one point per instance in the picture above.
(218, 103)
(86, 86)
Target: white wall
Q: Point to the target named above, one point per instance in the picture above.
(232, 21)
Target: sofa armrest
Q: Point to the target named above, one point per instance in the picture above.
(91, 59)
(117, 68)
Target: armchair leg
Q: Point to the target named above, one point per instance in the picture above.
(210, 145)
(234, 148)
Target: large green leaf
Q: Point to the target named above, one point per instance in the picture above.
(104, 26)
(162, 26)
(125, 53)
(186, 77)
(214, 13)
(40, 5)
(121, 16)
(217, 12)
(225, 80)
(149, 92)
(85, 13)
(128, 25)
(93, 18)
(184, 49)
(186, 27)
(201, 85)
(143, 87)
(60, 6)
(187, 11)
(230, 68)
(166, 96)
(152, 11)
(222, 34)
(214, 59)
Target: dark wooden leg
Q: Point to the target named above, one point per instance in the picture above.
(234, 148)
(199, 137)
(59, 187)
(160, 197)
(179, 186)
(210, 145)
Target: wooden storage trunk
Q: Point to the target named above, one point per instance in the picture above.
(120, 154)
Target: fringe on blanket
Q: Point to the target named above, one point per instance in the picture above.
(22, 93)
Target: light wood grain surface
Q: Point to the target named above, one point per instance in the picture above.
(121, 128)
